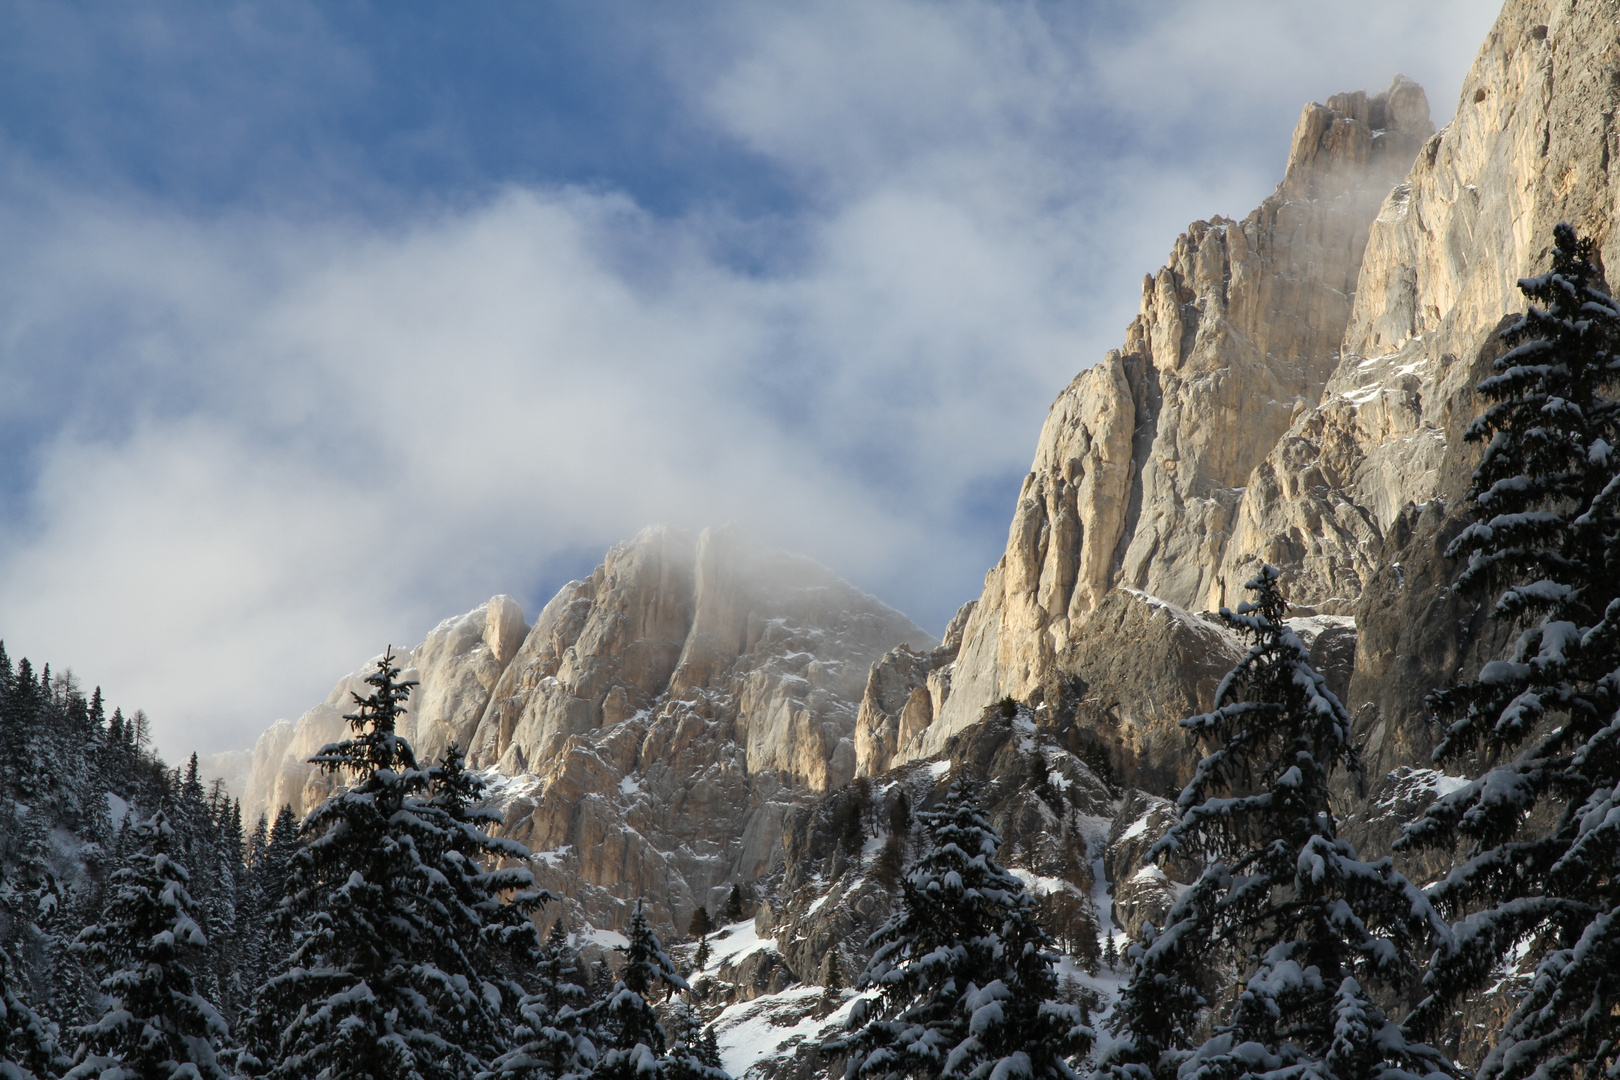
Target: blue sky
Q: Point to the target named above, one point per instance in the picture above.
(319, 323)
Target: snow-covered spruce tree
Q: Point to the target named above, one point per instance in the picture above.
(709, 1047)
(155, 1025)
(967, 986)
(1546, 533)
(555, 1035)
(490, 906)
(688, 1055)
(389, 975)
(28, 1043)
(634, 1041)
(1313, 932)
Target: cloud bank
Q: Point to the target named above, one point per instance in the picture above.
(252, 442)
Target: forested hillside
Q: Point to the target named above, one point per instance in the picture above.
(76, 780)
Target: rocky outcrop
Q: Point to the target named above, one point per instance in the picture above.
(1294, 389)
(1052, 812)
(904, 692)
(230, 769)
(665, 717)
(651, 732)
(1296, 386)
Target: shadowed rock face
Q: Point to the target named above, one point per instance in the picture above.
(652, 729)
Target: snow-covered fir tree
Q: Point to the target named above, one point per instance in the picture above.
(29, 1048)
(709, 1048)
(394, 924)
(1315, 936)
(156, 1025)
(555, 1036)
(1546, 499)
(489, 907)
(688, 1052)
(634, 1041)
(967, 985)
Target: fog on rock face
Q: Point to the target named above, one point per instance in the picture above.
(656, 723)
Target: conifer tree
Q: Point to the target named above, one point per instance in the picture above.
(688, 1057)
(1314, 933)
(700, 927)
(156, 1025)
(28, 1044)
(555, 1033)
(733, 910)
(635, 1041)
(832, 973)
(271, 851)
(490, 905)
(967, 985)
(386, 975)
(709, 1048)
(1546, 500)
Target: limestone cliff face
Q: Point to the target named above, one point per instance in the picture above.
(904, 692)
(1295, 391)
(651, 731)
(1530, 146)
(664, 717)
(1141, 466)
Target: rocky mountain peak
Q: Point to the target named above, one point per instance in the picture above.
(653, 727)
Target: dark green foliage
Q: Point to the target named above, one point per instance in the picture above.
(733, 911)
(849, 816)
(29, 1048)
(403, 952)
(890, 861)
(1546, 531)
(700, 927)
(1070, 918)
(156, 1024)
(900, 812)
(635, 1042)
(1313, 932)
(967, 985)
(832, 973)
(555, 1036)
(1040, 782)
(689, 1057)
(58, 766)
(709, 1048)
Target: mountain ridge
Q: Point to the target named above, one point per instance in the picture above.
(1293, 390)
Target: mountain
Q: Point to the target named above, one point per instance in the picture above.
(652, 731)
(1144, 478)
(703, 712)
(1295, 390)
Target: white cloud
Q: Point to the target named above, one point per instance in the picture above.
(279, 443)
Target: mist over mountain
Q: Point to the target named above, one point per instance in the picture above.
(765, 810)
